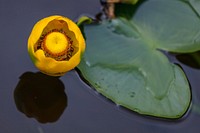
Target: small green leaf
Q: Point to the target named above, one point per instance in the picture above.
(84, 20)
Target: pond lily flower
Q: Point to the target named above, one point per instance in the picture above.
(56, 45)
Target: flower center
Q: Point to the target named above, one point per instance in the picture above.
(56, 42)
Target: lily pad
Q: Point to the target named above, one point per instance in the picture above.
(124, 62)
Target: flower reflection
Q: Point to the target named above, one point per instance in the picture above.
(40, 96)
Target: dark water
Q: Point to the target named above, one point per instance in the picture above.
(74, 107)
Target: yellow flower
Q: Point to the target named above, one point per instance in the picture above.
(56, 45)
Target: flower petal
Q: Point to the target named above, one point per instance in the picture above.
(52, 67)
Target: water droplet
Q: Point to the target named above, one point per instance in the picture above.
(143, 72)
(97, 85)
(132, 94)
(149, 89)
(88, 63)
(136, 110)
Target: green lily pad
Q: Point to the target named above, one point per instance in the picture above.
(123, 59)
(195, 5)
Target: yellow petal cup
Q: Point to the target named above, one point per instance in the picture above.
(56, 45)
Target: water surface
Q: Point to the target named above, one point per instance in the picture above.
(79, 108)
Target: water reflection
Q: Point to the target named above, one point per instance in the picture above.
(40, 96)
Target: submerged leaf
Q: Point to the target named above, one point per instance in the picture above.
(124, 63)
